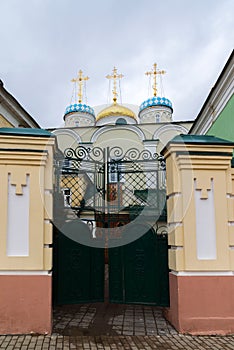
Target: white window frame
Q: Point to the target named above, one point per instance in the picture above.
(66, 197)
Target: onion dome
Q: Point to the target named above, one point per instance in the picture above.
(116, 114)
(156, 101)
(79, 107)
(155, 109)
(78, 113)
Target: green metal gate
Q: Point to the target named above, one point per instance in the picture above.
(78, 270)
(78, 263)
(138, 272)
(120, 195)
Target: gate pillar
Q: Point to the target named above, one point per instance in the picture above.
(200, 207)
(26, 164)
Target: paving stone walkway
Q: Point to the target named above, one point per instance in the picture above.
(110, 319)
(113, 327)
(164, 342)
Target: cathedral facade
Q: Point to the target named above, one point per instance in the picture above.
(148, 126)
(124, 133)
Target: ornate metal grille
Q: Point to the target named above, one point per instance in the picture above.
(112, 181)
(82, 173)
(136, 181)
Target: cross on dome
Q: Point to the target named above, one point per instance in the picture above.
(154, 72)
(114, 77)
(79, 80)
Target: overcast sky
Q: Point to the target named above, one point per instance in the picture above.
(45, 42)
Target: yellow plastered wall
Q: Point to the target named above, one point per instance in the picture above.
(199, 165)
(4, 123)
(22, 156)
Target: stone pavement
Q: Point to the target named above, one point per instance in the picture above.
(113, 327)
(110, 319)
(160, 342)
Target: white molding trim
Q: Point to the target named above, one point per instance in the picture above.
(25, 273)
(107, 128)
(202, 273)
(168, 127)
(72, 133)
(11, 109)
(111, 120)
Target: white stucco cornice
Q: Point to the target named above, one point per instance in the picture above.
(105, 129)
(168, 127)
(64, 131)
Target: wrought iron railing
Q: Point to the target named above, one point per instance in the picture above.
(112, 180)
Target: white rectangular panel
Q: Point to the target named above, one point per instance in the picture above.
(18, 220)
(205, 225)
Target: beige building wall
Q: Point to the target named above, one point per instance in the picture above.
(4, 123)
(26, 168)
(200, 217)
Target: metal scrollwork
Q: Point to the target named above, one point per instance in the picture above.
(161, 229)
(133, 154)
(115, 153)
(84, 153)
(113, 179)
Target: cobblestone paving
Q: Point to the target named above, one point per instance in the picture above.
(164, 342)
(110, 319)
(113, 327)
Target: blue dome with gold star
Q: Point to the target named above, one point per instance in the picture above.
(79, 107)
(156, 101)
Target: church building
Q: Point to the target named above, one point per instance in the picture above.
(150, 125)
(123, 194)
(121, 132)
(112, 179)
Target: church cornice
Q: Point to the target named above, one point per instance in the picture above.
(104, 129)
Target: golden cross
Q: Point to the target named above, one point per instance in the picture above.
(114, 76)
(154, 72)
(79, 80)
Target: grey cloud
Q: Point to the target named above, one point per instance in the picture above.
(46, 42)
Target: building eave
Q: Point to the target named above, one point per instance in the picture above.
(10, 103)
(216, 100)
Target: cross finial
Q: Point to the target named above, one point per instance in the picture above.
(79, 80)
(114, 77)
(154, 72)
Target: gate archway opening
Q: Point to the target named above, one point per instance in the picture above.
(108, 206)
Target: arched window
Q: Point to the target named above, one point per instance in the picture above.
(157, 118)
(120, 121)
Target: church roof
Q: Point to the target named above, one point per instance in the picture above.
(156, 101)
(79, 107)
(116, 110)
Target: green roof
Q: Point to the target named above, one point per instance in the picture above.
(200, 139)
(197, 140)
(26, 132)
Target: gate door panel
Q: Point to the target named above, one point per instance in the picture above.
(138, 272)
(79, 270)
(107, 188)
